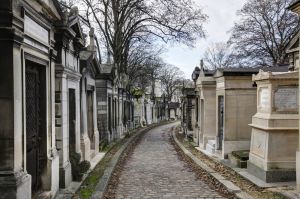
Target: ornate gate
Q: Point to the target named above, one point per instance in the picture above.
(36, 142)
(220, 122)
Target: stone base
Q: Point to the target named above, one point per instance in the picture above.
(298, 169)
(211, 146)
(280, 175)
(96, 138)
(230, 146)
(85, 144)
(15, 186)
(65, 175)
(54, 174)
(237, 162)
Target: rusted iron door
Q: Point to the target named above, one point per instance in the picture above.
(35, 123)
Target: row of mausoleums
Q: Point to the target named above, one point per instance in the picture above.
(249, 117)
(58, 104)
(245, 114)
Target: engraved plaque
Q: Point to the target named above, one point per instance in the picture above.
(36, 45)
(259, 143)
(35, 31)
(286, 99)
(264, 98)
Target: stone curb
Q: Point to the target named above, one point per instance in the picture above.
(104, 180)
(228, 184)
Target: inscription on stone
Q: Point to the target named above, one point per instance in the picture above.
(286, 99)
(258, 144)
(35, 31)
(264, 98)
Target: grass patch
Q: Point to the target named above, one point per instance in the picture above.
(88, 186)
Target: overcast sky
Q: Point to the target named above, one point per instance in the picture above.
(222, 15)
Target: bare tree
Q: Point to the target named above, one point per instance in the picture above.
(125, 22)
(265, 28)
(171, 79)
(218, 55)
(144, 64)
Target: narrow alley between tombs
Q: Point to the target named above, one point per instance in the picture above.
(154, 170)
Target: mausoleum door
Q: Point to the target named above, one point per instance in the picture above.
(72, 120)
(36, 156)
(109, 115)
(90, 118)
(220, 122)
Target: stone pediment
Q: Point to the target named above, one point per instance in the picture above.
(293, 44)
(49, 7)
(90, 62)
(74, 23)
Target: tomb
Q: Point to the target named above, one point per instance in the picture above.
(29, 162)
(235, 105)
(274, 139)
(206, 110)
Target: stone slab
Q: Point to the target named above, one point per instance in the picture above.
(281, 175)
(259, 182)
(230, 186)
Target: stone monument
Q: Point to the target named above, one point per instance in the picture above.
(274, 140)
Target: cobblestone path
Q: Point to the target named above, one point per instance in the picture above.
(154, 171)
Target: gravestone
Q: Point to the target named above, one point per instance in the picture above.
(274, 138)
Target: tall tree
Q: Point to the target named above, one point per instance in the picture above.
(124, 22)
(265, 28)
(218, 55)
(171, 79)
(144, 64)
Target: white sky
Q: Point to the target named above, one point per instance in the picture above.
(222, 15)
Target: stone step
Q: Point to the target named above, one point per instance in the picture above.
(210, 148)
(212, 143)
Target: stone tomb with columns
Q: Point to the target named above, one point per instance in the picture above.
(69, 44)
(274, 139)
(206, 87)
(235, 105)
(29, 162)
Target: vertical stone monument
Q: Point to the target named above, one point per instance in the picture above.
(274, 139)
(235, 105)
(206, 87)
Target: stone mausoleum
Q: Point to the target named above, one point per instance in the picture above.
(274, 139)
(29, 161)
(206, 110)
(235, 106)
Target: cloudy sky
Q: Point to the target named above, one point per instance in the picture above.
(222, 14)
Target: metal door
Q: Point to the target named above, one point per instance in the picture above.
(90, 118)
(220, 122)
(33, 125)
(72, 120)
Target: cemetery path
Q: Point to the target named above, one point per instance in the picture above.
(154, 171)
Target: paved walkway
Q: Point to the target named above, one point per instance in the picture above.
(154, 171)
